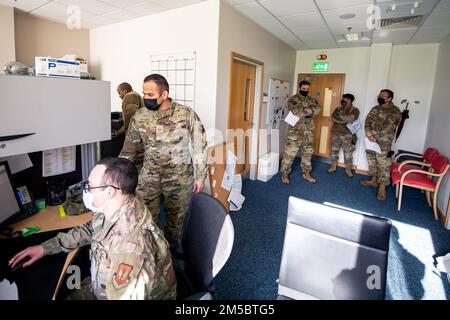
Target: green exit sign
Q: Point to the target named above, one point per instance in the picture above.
(321, 66)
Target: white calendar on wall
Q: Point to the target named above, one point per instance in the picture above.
(279, 92)
(179, 70)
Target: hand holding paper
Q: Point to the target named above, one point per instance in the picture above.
(291, 119)
(373, 146)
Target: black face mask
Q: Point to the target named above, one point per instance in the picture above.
(151, 104)
(343, 103)
(304, 93)
(381, 101)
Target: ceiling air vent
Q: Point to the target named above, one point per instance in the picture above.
(400, 22)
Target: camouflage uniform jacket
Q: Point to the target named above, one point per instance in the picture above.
(131, 102)
(130, 258)
(382, 122)
(341, 117)
(297, 105)
(165, 137)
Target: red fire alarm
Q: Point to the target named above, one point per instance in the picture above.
(322, 56)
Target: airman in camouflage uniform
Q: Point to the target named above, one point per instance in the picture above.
(164, 130)
(380, 126)
(301, 135)
(131, 102)
(130, 258)
(341, 135)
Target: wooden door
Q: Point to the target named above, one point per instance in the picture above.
(240, 113)
(328, 90)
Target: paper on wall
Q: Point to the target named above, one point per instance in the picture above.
(227, 181)
(373, 146)
(291, 119)
(354, 126)
(18, 163)
(58, 161)
(235, 199)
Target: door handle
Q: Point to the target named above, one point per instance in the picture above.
(16, 136)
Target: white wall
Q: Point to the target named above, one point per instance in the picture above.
(411, 77)
(8, 49)
(406, 69)
(238, 34)
(121, 52)
(438, 132)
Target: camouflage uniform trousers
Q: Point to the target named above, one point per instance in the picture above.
(303, 141)
(174, 189)
(84, 293)
(346, 142)
(379, 166)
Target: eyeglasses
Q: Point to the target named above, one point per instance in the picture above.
(86, 186)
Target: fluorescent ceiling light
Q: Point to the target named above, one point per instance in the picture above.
(352, 36)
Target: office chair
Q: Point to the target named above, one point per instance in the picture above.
(206, 244)
(331, 253)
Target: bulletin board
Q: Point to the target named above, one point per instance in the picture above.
(279, 92)
(217, 156)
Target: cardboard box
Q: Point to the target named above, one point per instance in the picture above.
(52, 67)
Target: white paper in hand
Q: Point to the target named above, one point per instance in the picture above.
(291, 119)
(354, 126)
(373, 146)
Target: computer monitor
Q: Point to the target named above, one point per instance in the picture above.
(9, 200)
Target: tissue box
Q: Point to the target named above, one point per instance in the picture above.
(52, 67)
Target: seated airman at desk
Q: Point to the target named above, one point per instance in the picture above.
(130, 258)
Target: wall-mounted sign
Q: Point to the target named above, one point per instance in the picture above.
(321, 66)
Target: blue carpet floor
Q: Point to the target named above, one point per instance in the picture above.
(252, 269)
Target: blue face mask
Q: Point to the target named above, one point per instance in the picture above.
(151, 104)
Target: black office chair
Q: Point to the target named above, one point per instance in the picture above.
(206, 244)
(331, 253)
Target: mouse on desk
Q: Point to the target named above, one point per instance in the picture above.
(20, 264)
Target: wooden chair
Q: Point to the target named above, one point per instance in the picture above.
(406, 165)
(423, 180)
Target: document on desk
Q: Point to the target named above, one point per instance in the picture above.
(58, 161)
(354, 126)
(235, 199)
(373, 146)
(291, 119)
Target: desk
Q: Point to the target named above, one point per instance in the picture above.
(49, 219)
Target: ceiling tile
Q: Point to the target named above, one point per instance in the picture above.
(99, 21)
(54, 12)
(172, 4)
(93, 6)
(145, 8)
(442, 7)
(359, 26)
(336, 4)
(123, 3)
(271, 24)
(321, 44)
(354, 44)
(312, 33)
(431, 34)
(282, 8)
(121, 15)
(395, 36)
(303, 20)
(438, 19)
(24, 5)
(254, 11)
(332, 16)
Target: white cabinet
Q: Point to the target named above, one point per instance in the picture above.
(55, 112)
